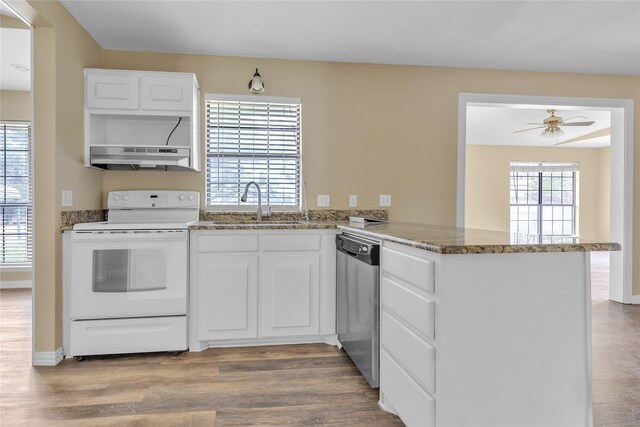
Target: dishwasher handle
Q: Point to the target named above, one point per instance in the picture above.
(362, 250)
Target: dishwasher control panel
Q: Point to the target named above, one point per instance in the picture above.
(361, 248)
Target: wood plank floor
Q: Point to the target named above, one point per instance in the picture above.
(275, 385)
(616, 352)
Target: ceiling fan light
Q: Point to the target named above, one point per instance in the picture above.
(546, 133)
(559, 132)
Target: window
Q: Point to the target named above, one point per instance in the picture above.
(15, 193)
(543, 200)
(252, 139)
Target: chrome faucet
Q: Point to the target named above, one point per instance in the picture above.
(244, 199)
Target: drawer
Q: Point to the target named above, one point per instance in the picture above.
(415, 354)
(417, 271)
(417, 310)
(414, 405)
(137, 335)
(290, 242)
(228, 243)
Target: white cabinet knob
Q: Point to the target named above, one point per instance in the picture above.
(116, 197)
(181, 197)
(125, 197)
(190, 196)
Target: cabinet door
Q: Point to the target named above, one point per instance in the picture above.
(118, 92)
(290, 286)
(227, 297)
(167, 93)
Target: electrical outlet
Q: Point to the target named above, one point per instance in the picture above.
(353, 201)
(67, 198)
(385, 200)
(324, 200)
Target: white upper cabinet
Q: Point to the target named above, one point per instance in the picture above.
(167, 93)
(114, 92)
(141, 120)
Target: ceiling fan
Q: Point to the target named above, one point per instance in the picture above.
(551, 125)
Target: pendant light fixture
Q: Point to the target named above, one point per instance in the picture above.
(255, 84)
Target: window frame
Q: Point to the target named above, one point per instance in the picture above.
(20, 267)
(248, 207)
(546, 170)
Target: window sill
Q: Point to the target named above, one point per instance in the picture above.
(15, 268)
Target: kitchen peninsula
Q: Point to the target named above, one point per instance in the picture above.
(484, 328)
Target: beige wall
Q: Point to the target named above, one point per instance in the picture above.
(367, 129)
(604, 193)
(487, 185)
(11, 22)
(371, 129)
(15, 105)
(62, 49)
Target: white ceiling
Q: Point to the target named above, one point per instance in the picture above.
(601, 37)
(15, 48)
(490, 124)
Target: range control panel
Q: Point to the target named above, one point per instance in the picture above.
(145, 199)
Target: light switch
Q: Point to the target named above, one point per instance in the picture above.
(324, 200)
(385, 200)
(353, 201)
(67, 198)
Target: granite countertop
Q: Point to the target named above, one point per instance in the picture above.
(434, 238)
(452, 240)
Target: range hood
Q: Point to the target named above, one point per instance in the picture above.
(168, 158)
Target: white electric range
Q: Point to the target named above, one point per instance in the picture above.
(126, 287)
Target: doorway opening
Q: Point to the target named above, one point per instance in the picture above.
(16, 189)
(558, 168)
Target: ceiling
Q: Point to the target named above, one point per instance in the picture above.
(600, 37)
(15, 46)
(491, 124)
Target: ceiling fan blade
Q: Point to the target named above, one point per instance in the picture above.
(535, 124)
(566, 142)
(591, 135)
(578, 123)
(576, 117)
(524, 130)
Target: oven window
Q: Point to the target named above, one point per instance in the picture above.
(129, 270)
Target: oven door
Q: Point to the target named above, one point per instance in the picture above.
(132, 273)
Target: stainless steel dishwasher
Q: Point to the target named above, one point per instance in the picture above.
(358, 303)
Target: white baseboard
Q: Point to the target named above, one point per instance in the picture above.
(332, 340)
(386, 406)
(635, 299)
(47, 358)
(255, 342)
(15, 284)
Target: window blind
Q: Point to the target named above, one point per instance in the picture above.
(15, 193)
(541, 167)
(543, 200)
(247, 141)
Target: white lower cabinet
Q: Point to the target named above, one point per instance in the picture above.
(253, 287)
(290, 295)
(407, 336)
(227, 297)
(485, 339)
